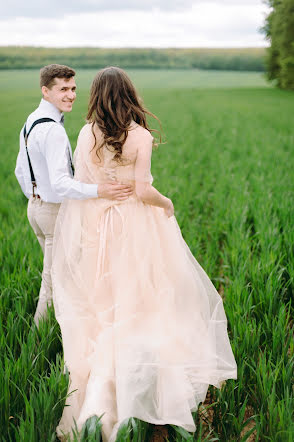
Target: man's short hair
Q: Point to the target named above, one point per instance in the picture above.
(52, 71)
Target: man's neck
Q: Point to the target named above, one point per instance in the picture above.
(52, 104)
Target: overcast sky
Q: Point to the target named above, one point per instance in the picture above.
(133, 23)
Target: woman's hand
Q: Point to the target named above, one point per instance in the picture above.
(169, 209)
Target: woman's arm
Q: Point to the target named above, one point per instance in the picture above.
(144, 190)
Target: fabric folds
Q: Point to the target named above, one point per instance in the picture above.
(144, 330)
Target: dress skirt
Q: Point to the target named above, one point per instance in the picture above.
(144, 330)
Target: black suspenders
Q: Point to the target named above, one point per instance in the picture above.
(26, 135)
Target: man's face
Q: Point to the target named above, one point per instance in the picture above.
(62, 94)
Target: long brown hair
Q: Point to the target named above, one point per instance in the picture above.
(113, 104)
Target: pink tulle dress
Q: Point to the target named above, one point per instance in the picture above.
(143, 328)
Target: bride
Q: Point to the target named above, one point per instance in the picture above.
(144, 330)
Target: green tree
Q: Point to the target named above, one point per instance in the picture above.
(279, 30)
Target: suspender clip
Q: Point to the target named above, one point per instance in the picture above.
(34, 184)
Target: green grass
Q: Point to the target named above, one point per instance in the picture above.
(228, 166)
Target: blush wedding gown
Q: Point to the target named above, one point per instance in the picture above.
(143, 328)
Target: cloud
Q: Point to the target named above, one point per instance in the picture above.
(58, 9)
(204, 24)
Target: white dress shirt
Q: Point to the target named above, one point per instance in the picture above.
(49, 150)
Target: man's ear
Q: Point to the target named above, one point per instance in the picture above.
(44, 90)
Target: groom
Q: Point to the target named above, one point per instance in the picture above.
(44, 167)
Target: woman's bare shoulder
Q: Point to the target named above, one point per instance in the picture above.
(86, 129)
(136, 131)
(90, 131)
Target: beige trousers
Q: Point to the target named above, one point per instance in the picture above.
(42, 218)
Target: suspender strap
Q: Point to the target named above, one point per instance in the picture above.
(26, 135)
(41, 120)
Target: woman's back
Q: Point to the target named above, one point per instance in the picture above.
(93, 168)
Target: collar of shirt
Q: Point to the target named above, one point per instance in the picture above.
(51, 111)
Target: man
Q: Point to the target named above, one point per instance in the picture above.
(44, 168)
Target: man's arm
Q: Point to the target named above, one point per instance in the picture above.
(19, 171)
(57, 158)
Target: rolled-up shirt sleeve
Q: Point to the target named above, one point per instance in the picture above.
(58, 163)
(19, 171)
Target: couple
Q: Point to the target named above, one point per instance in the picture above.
(144, 330)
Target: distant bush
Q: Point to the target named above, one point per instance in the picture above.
(249, 59)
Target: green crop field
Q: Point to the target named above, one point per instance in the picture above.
(228, 166)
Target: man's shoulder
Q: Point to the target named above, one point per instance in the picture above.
(44, 128)
(37, 115)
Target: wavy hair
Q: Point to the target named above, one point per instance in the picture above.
(113, 105)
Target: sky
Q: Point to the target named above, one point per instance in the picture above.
(133, 23)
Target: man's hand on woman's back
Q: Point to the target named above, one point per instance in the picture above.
(114, 191)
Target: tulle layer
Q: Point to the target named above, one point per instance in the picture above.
(144, 330)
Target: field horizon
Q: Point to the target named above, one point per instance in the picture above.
(237, 59)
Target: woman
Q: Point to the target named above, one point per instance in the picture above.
(144, 330)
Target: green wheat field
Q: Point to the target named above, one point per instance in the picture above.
(228, 166)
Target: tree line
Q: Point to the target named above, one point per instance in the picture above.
(240, 59)
(279, 30)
